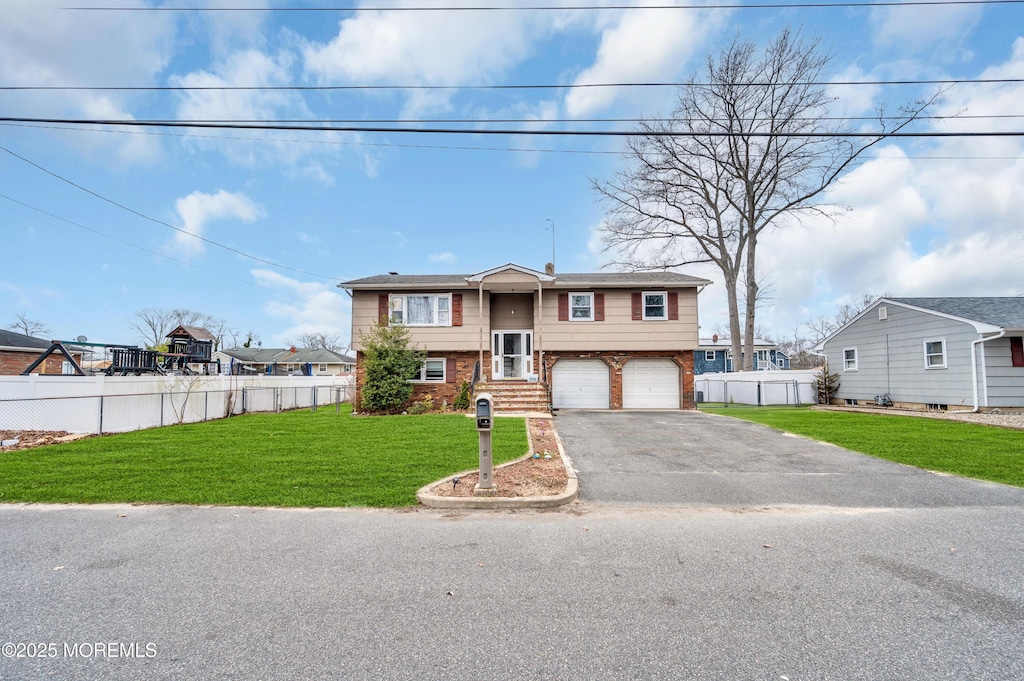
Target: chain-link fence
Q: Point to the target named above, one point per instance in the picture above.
(763, 391)
(127, 412)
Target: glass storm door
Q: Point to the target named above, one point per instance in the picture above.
(512, 354)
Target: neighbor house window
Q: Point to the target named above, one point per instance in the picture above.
(418, 309)
(935, 354)
(709, 355)
(321, 368)
(581, 307)
(850, 359)
(655, 305)
(762, 355)
(431, 371)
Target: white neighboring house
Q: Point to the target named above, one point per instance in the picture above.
(931, 353)
(284, 362)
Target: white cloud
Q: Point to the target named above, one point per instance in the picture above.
(446, 257)
(197, 209)
(641, 45)
(306, 307)
(933, 29)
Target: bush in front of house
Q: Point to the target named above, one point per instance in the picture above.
(390, 362)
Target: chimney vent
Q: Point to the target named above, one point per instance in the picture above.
(549, 268)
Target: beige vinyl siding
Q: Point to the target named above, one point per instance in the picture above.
(1005, 381)
(504, 304)
(620, 331)
(447, 338)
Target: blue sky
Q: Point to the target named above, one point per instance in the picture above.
(925, 217)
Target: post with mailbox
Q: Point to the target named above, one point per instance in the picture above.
(484, 424)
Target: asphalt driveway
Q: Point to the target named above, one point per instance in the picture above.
(690, 458)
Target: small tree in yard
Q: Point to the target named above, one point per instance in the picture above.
(390, 363)
(826, 384)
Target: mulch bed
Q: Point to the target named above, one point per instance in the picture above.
(527, 478)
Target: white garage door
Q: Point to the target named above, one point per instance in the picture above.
(579, 384)
(650, 384)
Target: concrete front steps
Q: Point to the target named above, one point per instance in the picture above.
(517, 396)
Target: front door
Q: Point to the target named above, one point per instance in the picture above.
(512, 354)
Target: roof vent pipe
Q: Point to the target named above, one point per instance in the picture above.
(549, 268)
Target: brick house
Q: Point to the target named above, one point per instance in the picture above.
(583, 340)
(18, 351)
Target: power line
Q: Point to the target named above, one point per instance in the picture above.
(554, 8)
(446, 147)
(491, 131)
(512, 86)
(126, 243)
(161, 222)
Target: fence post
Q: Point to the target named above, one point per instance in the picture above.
(206, 405)
(243, 398)
(162, 409)
(796, 392)
(314, 399)
(337, 401)
(101, 414)
(725, 393)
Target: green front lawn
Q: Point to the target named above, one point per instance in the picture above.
(967, 449)
(297, 458)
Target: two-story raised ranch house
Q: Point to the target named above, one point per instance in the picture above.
(592, 341)
(935, 353)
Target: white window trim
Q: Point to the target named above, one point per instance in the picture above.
(321, 367)
(856, 359)
(590, 296)
(423, 371)
(393, 306)
(924, 346)
(643, 303)
(709, 356)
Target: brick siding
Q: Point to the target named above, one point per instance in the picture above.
(12, 363)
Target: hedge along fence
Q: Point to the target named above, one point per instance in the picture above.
(115, 404)
(760, 388)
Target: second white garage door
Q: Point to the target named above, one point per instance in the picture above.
(579, 384)
(650, 384)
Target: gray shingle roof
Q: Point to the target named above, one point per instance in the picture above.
(13, 339)
(567, 279)
(1007, 313)
(286, 356)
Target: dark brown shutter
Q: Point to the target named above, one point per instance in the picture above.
(598, 307)
(1017, 351)
(563, 307)
(382, 309)
(673, 305)
(638, 306)
(449, 371)
(456, 309)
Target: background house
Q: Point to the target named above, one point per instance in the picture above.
(285, 362)
(931, 353)
(18, 351)
(714, 355)
(579, 340)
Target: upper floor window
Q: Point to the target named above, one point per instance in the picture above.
(935, 354)
(419, 309)
(850, 359)
(581, 307)
(655, 305)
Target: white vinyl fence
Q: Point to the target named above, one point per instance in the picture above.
(760, 388)
(116, 404)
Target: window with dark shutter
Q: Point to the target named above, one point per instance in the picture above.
(638, 306)
(598, 307)
(563, 307)
(1017, 350)
(382, 309)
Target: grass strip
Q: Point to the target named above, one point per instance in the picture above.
(296, 458)
(967, 449)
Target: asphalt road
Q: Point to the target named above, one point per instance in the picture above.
(596, 590)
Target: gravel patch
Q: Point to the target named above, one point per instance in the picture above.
(1003, 419)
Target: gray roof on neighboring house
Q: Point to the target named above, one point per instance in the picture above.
(1007, 313)
(286, 356)
(567, 279)
(725, 343)
(13, 339)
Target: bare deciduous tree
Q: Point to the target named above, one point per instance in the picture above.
(820, 327)
(322, 340)
(29, 327)
(748, 143)
(154, 323)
